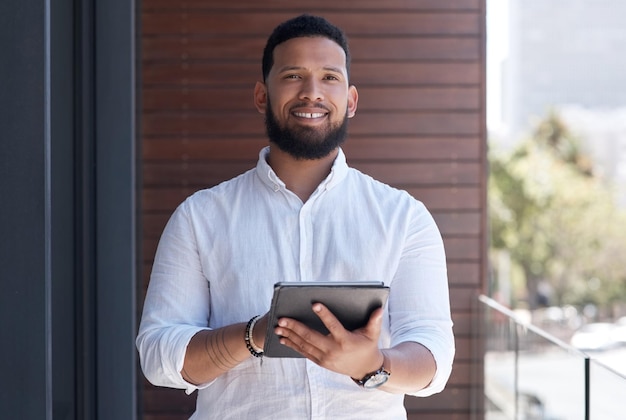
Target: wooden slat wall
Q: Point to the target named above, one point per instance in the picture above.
(419, 68)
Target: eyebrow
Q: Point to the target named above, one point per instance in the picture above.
(327, 68)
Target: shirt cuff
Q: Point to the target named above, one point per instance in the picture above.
(163, 356)
(443, 355)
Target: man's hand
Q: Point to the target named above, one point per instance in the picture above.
(353, 353)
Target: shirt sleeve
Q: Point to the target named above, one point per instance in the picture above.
(176, 305)
(419, 303)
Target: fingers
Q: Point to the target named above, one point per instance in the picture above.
(374, 325)
(330, 321)
(309, 342)
(326, 349)
(299, 337)
(335, 327)
(290, 327)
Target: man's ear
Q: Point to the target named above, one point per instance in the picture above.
(260, 97)
(353, 100)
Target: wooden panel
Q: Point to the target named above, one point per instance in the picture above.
(453, 402)
(465, 324)
(186, 74)
(201, 22)
(456, 398)
(161, 416)
(202, 149)
(191, 174)
(165, 400)
(464, 274)
(420, 98)
(461, 374)
(448, 198)
(357, 148)
(194, 51)
(423, 173)
(463, 249)
(408, 123)
(457, 223)
(462, 299)
(251, 6)
(464, 350)
(394, 124)
(412, 73)
(417, 414)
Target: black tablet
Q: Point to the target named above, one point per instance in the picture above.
(351, 302)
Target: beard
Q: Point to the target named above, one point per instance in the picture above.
(305, 142)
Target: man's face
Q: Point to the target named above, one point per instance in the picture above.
(306, 98)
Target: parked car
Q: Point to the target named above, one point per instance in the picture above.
(595, 336)
(620, 330)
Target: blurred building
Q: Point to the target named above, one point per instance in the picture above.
(569, 53)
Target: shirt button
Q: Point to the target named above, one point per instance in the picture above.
(276, 187)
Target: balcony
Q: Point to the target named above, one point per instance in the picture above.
(531, 375)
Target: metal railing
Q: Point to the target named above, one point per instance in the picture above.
(530, 374)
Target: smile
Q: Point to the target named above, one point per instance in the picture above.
(309, 114)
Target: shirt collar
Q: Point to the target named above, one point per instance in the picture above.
(338, 171)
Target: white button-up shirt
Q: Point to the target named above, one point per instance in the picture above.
(225, 247)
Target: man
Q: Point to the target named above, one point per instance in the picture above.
(301, 215)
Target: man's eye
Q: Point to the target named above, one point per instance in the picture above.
(292, 76)
(331, 77)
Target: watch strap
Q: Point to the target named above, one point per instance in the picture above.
(381, 371)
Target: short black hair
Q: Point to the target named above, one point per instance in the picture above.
(303, 26)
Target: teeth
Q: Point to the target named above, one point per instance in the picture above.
(309, 114)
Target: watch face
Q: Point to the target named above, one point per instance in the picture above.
(376, 380)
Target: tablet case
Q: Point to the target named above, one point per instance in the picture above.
(351, 302)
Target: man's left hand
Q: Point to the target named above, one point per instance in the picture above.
(353, 353)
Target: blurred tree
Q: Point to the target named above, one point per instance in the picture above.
(558, 222)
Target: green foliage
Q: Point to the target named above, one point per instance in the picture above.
(557, 221)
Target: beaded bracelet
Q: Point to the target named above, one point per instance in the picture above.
(248, 337)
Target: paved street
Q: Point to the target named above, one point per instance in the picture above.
(553, 385)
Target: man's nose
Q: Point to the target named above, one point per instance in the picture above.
(311, 90)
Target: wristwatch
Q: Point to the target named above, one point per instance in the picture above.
(374, 379)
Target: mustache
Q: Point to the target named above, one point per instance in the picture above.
(309, 105)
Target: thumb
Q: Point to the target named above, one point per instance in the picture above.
(374, 324)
